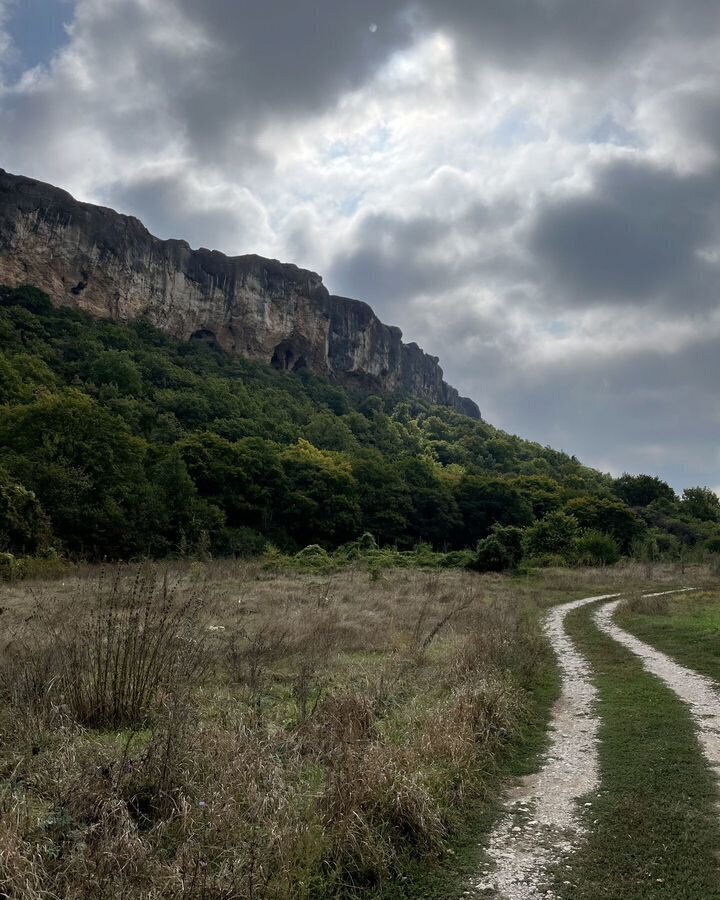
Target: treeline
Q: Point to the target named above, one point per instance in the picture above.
(118, 442)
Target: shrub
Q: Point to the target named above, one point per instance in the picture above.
(556, 534)
(314, 557)
(501, 551)
(597, 549)
(458, 559)
(365, 544)
(9, 567)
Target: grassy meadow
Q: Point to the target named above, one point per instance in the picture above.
(221, 730)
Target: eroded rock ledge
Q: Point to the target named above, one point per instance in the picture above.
(109, 265)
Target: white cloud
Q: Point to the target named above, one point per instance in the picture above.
(439, 167)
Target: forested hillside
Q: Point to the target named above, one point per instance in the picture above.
(119, 442)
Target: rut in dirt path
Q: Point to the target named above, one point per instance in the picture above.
(541, 824)
(699, 692)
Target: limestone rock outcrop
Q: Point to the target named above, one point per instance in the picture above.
(109, 265)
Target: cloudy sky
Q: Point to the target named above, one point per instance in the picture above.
(529, 188)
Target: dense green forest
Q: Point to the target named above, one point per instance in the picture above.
(118, 442)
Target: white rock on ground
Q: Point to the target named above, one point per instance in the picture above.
(541, 824)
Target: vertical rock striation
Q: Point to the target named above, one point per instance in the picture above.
(109, 265)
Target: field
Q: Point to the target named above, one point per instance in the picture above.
(224, 731)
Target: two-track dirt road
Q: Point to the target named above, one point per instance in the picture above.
(542, 824)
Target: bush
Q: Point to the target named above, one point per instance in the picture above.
(501, 551)
(9, 567)
(556, 535)
(458, 559)
(358, 549)
(314, 557)
(544, 561)
(242, 542)
(597, 549)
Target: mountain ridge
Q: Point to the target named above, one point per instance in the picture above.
(109, 264)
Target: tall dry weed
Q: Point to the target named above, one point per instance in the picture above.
(107, 662)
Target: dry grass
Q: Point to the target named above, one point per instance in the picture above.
(107, 656)
(221, 732)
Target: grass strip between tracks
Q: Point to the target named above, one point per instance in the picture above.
(686, 627)
(653, 829)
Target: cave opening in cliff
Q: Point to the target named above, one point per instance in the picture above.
(205, 336)
(286, 359)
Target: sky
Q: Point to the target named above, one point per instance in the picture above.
(530, 189)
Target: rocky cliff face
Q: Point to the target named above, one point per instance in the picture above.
(109, 265)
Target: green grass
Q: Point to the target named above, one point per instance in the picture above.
(688, 629)
(653, 830)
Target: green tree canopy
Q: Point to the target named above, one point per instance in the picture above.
(701, 503)
(642, 490)
(24, 527)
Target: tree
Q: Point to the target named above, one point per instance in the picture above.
(176, 518)
(487, 501)
(328, 432)
(701, 503)
(501, 550)
(642, 490)
(116, 367)
(322, 503)
(597, 549)
(544, 494)
(555, 535)
(385, 501)
(245, 479)
(434, 515)
(30, 298)
(85, 468)
(609, 516)
(24, 527)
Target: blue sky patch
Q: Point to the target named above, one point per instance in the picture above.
(37, 31)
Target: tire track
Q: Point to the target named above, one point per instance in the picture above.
(699, 692)
(541, 823)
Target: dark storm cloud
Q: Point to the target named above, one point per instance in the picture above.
(171, 209)
(695, 111)
(229, 67)
(221, 70)
(389, 258)
(284, 56)
(550, 34)
(635, 237)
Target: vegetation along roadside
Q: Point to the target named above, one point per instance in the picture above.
(225, 731)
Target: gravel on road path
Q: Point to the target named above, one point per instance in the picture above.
(541, 824)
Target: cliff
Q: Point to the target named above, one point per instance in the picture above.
(110, 265)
